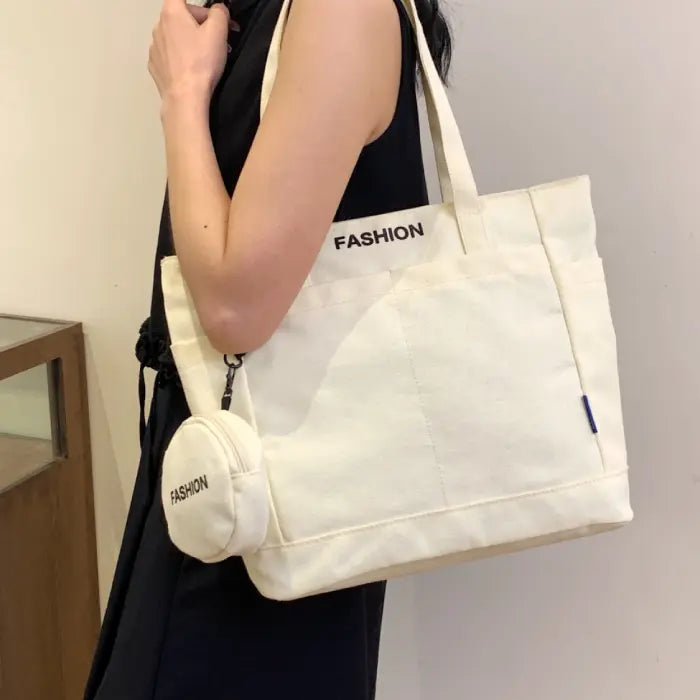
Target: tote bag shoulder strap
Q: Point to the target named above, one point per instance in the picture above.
(456, 179)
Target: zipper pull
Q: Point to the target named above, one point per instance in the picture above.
(230, 376)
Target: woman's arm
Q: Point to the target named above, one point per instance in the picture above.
(245, 258)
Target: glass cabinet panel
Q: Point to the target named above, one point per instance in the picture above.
(31, 433)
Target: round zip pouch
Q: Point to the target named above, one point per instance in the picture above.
(214, 488)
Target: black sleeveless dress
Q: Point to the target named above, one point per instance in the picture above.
(178, 629)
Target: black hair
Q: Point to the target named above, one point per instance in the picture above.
(438, 34)
(437, 31)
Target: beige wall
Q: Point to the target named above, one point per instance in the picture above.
(543, 89)
(81, 179)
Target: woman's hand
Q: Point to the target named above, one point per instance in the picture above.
(189, 50)
(201, 14)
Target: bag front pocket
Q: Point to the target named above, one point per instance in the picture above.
(498, 382)
(343, 430)
(585, 300)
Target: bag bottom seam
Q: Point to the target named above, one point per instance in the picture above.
(469, 506)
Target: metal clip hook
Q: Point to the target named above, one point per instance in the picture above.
(233, 366)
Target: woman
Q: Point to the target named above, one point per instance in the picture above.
(247, 208)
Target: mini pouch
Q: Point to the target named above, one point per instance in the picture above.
(214, 488)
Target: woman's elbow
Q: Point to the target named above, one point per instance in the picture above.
(233, 332)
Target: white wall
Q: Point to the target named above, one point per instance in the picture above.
(544, 89)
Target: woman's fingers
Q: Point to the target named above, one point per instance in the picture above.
(201, 14)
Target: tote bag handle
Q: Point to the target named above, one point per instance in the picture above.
(456, 179)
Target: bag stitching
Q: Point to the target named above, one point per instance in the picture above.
(565, 316)
(449, 509)
(210, 426)
(428, 425)
(273, 511)
(233, 476)
(392, 289)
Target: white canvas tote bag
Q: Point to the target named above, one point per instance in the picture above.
(444, 387)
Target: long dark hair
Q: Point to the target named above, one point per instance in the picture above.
(437, 31)
(438, 34)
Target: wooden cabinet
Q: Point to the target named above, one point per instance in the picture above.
(49, 609)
